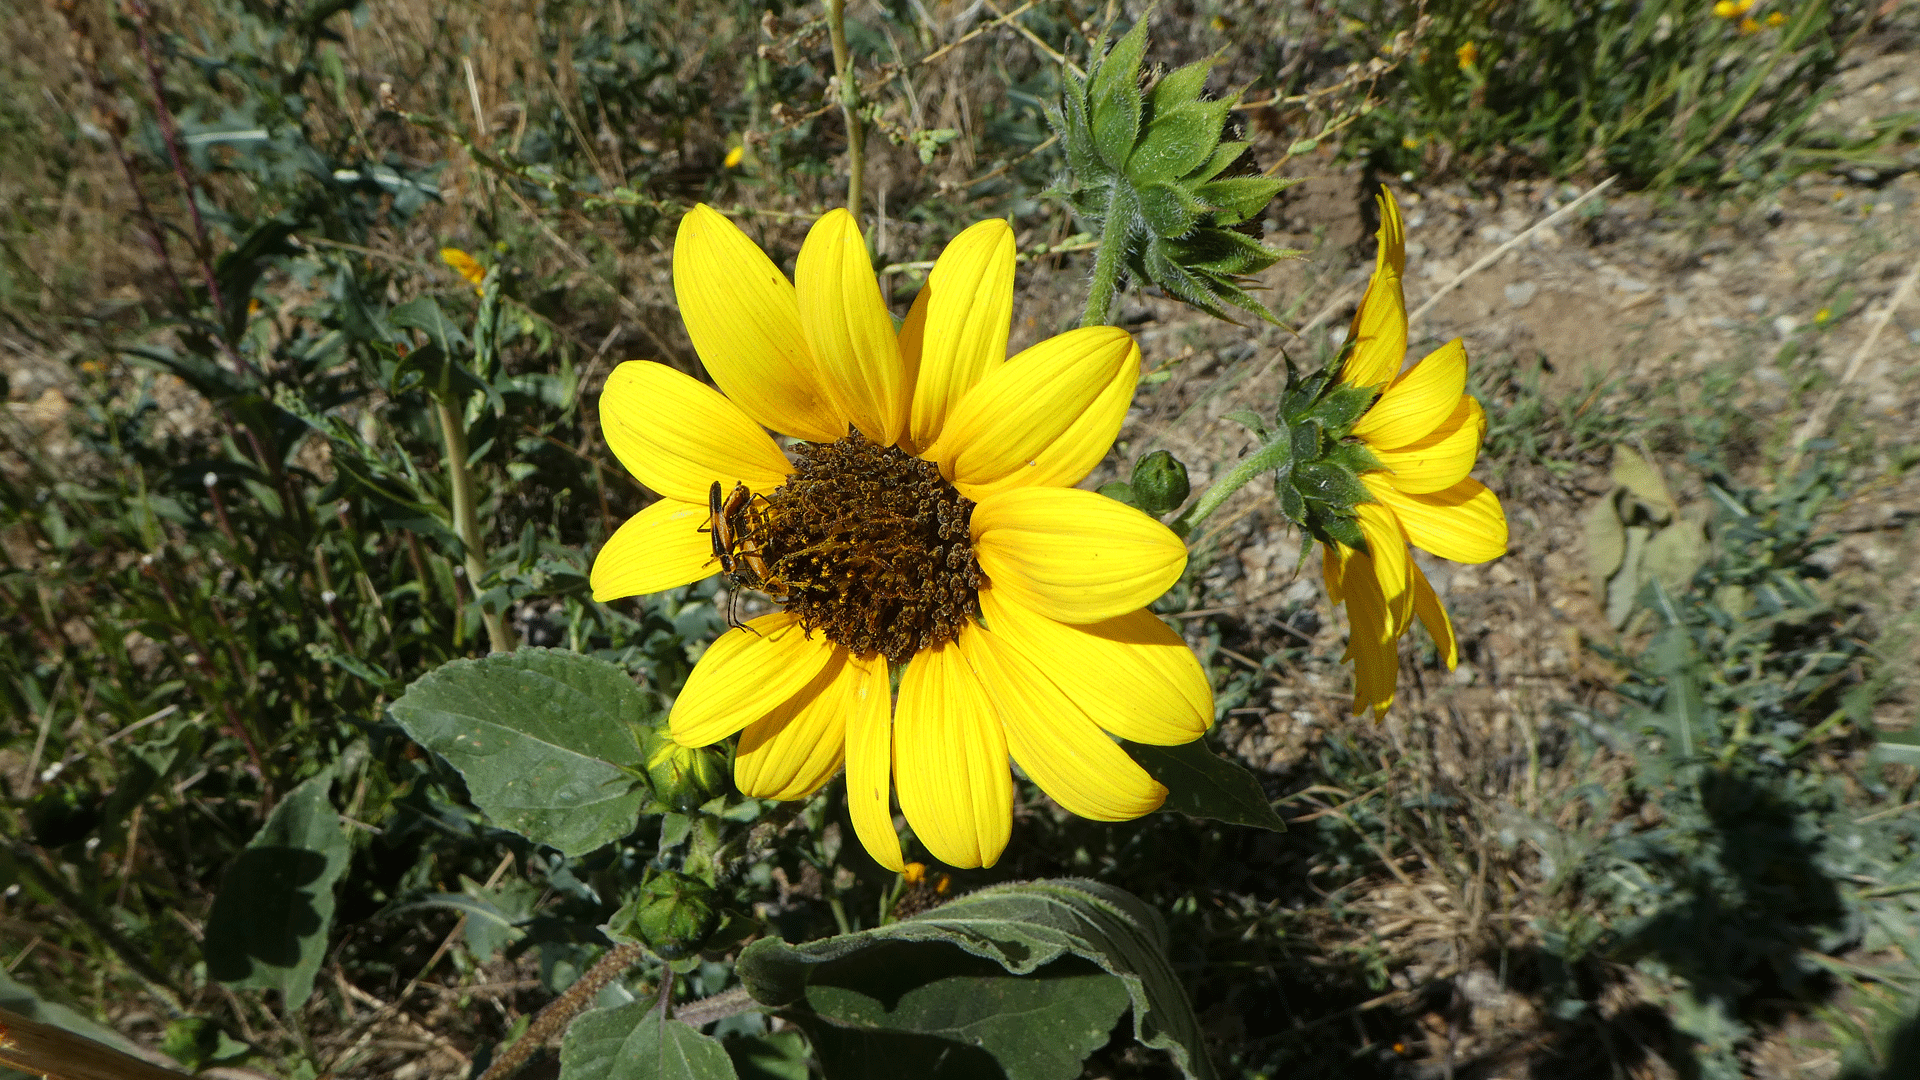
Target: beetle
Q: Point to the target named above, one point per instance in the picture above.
(733, 520)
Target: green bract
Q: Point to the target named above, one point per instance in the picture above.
(1149, 165)
(1316, 462)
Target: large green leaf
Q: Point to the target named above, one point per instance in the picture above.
(543, 738)
(1022, 928)
(634, 1042)
(268, 928)
(1202, 784)
(931, 1011)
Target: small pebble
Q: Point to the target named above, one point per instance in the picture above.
(1784, 326)
(1520, 293)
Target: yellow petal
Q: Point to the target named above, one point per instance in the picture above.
(1418, 401)
(1074, 555)
(849, 331)
(969, 314)
(1132, 674)
(950, 759)
(1392, 566)
(1443, 458)
(791, 751)
(1372, 643)
(744, 321)
(1433, 615)
(913, 336)
(1044, 418)
(678, 435)
(869, 707)
(1056, 744)
(661, 547)
(747, 673)
(1379, 331)
(1464, 523)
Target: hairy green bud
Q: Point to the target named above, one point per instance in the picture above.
(1159, 483)
(673, 914)
(683, 777)
(1151, 166)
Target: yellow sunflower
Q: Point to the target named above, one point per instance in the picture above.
(922, 521)
(1426, 432)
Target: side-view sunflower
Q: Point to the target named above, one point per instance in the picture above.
(1425, 433)
(922, 521)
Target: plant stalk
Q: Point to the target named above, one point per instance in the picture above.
(466, 524)
(560, 1012)
(849, 105)
(1266, 459)
(1106, 265)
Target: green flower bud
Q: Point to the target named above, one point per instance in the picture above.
(683, 777)
(1160, 483)
(672, 914)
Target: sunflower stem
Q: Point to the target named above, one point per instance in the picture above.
(466, 523)
(1107, 265)
(1266, 459)
(849, 105)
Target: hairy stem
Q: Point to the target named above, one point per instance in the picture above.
(849, 105)
(561, 1010)
(1106, 264)
(1264, 460)
(466, 524)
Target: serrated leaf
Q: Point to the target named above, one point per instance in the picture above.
(635, 1042)
(1202, 784)
(268, 928)
(542, 737)
(1022, 928)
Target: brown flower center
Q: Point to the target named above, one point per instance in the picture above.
(870, 546)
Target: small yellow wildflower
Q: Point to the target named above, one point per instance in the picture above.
(1408, 142)
(1776, 18)
(735, 156)
(1468, 55)
(466, 266)
(1749, 26)
(1727, 9)
(1823, 316)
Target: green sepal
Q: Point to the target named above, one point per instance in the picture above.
(671, 914)
(1330, 529)
(1113, 97)
(1250, 420)
(1343, 405)
(1223, 155)
(1178, 140)
(1119, 491)
(1306, 439)
(1292, 503)
(1160, 483)
(1237, 198)
(1170, 210)
(1082, 156)
(1355, 457)
(1325, 482)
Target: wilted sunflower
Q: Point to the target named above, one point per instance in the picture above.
(1425, 432)
(923, 519)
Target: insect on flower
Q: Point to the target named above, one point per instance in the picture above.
(736, 525)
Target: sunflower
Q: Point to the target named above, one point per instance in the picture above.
(921, 523)
(1425, 433)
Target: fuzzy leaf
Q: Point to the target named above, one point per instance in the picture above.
(1113, 97)
(1223, 155)
(1181, 86)
(1239, 198)
(1170, 210)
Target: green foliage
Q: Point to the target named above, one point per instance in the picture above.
(1150, 175)
(637, 1042)
(269, 925)
(547, 741)
(1023, 929)
(1661, 93)
(1202, 784)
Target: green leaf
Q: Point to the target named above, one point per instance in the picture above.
(268, 928)
(1022, 928)
(907, 1008)
(543, 738)
(1330, 483)
(1897, 746)
(1177, 141)
(1343, 405)
(424, 314)
(635, 1042)
(1203, 784)
(1181, 86)
(1169, 210)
